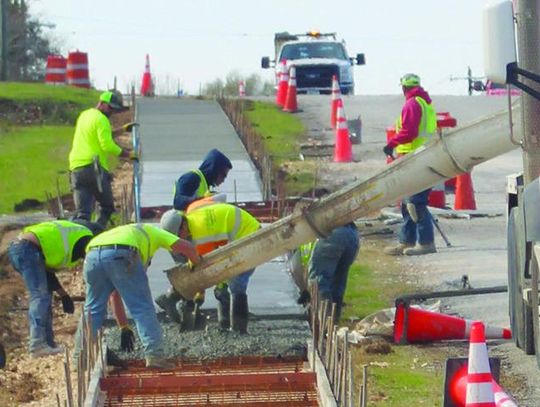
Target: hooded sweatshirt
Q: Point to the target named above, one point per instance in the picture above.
(213, 164)
(411, 114)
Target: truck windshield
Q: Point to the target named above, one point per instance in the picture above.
(313, 50)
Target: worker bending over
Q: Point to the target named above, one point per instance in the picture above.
(89, 164)
(209, 227)
(117, 260)
(36, 253)
(415, 126)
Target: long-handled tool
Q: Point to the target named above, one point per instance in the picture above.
(443, 235)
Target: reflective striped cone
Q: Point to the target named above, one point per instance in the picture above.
(501, 398)
(479, 379)
(283, 84)
(291, 104)
(336, 95)
(343, 146)
(146, 85)
(241, 89)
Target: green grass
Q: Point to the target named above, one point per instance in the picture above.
(30, 161)
(281, 131)
(33, 92)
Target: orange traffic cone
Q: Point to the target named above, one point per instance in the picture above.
(241, 89)
(283, 84)
(502, 399)
(413, 325)
(479, 379)
(437, 196)
(464, 192)
(146, 85)
(336, 95)
(291, 104)
(343, 146)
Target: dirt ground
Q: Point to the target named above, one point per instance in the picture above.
(39, 382)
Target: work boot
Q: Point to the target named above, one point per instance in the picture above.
(420, 249)
(221, 292)
(187, 318)
(154, 362)
(239, 313)
(167, 302)
(397, 250)
(46, 350)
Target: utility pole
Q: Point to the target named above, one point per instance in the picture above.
(528, 35)
(3, 39)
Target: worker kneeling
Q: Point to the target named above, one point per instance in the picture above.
(209, 227)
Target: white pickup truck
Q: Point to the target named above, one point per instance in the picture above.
(316, 57)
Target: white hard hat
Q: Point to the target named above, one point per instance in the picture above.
(171, 221)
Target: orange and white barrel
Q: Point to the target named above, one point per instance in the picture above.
(55, 72)
(77, 69)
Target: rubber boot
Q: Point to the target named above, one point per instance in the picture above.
(239, 313)
(167, 302)
(199, 318)
(188, 320)
(397, 250)
(420, 249)
(221, 292)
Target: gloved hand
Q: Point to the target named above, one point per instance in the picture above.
(388, 150)
(127, 339)
(129, 126)
(67, 304)
(133, 155)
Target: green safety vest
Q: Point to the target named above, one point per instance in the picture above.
(203, 189)
(305, 252)
(57, 240)
(426, 127)
(220, 222)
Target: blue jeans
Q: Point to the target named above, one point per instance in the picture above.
(238, 284)
(421, 231)
(107, 269)
(330, 262)
(28, 261)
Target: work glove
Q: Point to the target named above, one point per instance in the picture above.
(67, 304)
(133, 155)
(388, 150)
(127, 339)
(129, 126)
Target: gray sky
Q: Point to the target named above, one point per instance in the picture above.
(193, 42)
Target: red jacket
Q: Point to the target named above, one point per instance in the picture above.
(411, 114)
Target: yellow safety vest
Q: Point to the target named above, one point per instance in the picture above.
(202, 190)
(57, 240)
(426, 127)
(305, 253)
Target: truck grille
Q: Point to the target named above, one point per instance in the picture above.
(315, 76)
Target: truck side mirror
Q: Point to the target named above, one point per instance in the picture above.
(499, 40)
(265, 62)
(360, 59)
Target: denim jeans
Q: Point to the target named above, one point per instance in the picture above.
(238, 284)
(107, 269)
(28, 261)
(421, 231)
(330, 262)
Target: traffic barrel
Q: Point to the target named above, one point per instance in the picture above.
(55, 72)
(416, 325)
(343, 146)
(336, 96)
(283, 84)
(291, 104)
(77, 69)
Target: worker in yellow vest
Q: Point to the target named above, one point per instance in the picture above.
(92, 147)
(415, 126)
(209, 227)
(117, 260)
(36, 253)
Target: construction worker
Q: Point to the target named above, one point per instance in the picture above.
(117, 260)
(330, 261)
(92, 146)
(418, 121)
(190, 187)
(35, 254)
(209, 227)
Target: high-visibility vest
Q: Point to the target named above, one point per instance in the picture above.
(57, 240)
(202, 190)
(305, 252)
(215, 225)
(426, 127)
